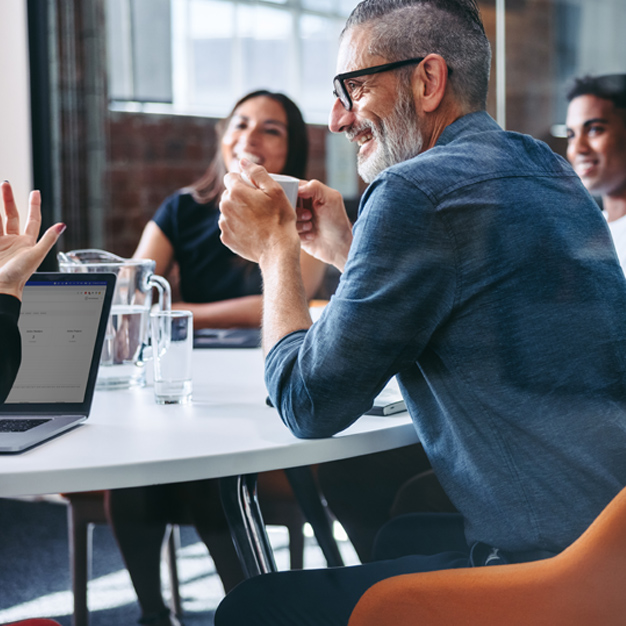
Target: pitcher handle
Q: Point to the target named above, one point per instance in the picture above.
(165, 291)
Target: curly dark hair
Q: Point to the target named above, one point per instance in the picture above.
(609, 87)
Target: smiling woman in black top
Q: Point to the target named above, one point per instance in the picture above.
(222, 289)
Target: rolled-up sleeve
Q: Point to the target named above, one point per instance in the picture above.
(397, 288)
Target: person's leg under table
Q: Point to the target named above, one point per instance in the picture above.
(361, 491)
(136, 516)
(316, 597)
(204, 509)
(420, 533)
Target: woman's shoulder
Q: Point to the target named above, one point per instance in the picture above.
(181, 199)
(181, 204)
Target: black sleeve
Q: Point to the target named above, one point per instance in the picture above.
(10, 343)
(166, 217)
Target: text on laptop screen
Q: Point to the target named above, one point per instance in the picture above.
(58, 323)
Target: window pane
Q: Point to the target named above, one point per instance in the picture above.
(119, 54)
(211, 31)
(346, 6)
(211, 19)
(570, 38)
(211, 70)
(341, 7)
(139, 50)
(152, 50)
(327, 6)
(265, 36)
(319, 56)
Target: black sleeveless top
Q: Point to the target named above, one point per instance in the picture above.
(209, 271)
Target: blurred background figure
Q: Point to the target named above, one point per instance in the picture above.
(596, 133)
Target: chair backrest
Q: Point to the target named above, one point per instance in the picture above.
(582, 586)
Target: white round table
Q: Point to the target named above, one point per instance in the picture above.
(227, 431)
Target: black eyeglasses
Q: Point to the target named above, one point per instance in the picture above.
(343, 94)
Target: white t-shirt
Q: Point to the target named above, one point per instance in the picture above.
(618, 232)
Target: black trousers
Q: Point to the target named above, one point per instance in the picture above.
(326, 597)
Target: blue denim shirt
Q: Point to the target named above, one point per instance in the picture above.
(483, 274)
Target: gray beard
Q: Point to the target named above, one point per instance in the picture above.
(398, 139)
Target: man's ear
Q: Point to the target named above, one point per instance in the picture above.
(430, 81)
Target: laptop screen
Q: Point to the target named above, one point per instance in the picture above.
(62, 323)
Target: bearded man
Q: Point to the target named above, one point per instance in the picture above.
(479, 272)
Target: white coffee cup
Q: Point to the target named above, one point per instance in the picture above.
(289, 185)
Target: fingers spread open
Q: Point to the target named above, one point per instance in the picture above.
(33, 222)
(48, 239)
(13, 217)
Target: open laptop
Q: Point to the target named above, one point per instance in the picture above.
(62, 322)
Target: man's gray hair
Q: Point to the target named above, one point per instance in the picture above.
(402, 29)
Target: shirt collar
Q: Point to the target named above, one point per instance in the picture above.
(478, 121)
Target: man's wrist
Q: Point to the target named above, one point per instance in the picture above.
(285, 307)
(284, 251)
(341, 258)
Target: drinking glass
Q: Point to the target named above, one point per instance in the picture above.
(172, 344)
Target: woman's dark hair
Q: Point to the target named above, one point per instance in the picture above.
(210, 186)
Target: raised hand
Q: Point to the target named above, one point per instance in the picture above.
(21, 254)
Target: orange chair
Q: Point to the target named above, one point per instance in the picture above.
(582, 586)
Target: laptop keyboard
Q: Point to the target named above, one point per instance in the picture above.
(19, 426)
